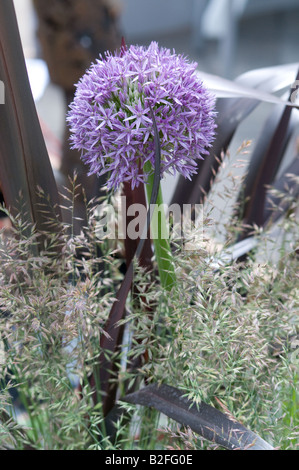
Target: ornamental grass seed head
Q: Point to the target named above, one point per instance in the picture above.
(110, 118)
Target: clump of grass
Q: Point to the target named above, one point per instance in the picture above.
(52, 313)
(227, 335)
(230, 332)
(231, 336)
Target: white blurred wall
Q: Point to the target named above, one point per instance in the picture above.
(150, 17)
(27, 26)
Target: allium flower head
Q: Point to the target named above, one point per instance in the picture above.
(110, 117)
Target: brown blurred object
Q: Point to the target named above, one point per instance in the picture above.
(72, 34)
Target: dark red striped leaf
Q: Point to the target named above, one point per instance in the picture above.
(24, 161)
(203, 419)
(264, 164)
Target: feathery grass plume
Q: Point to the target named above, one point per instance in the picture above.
(234, 338)
(234, 332)
(52, 313)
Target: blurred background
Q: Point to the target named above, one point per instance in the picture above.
(225, 37)
(248, 33)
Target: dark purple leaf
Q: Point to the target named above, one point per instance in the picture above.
(203, 419)
(264, 164)
(231, 112)
(24, 161)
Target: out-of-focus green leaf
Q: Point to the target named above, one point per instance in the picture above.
(203, 419)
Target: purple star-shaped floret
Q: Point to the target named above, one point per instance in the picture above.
(110, 117)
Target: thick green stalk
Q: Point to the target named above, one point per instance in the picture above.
(160, 235)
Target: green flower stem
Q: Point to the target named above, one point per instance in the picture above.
(160, 236)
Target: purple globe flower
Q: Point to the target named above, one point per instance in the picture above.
(110, 118)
